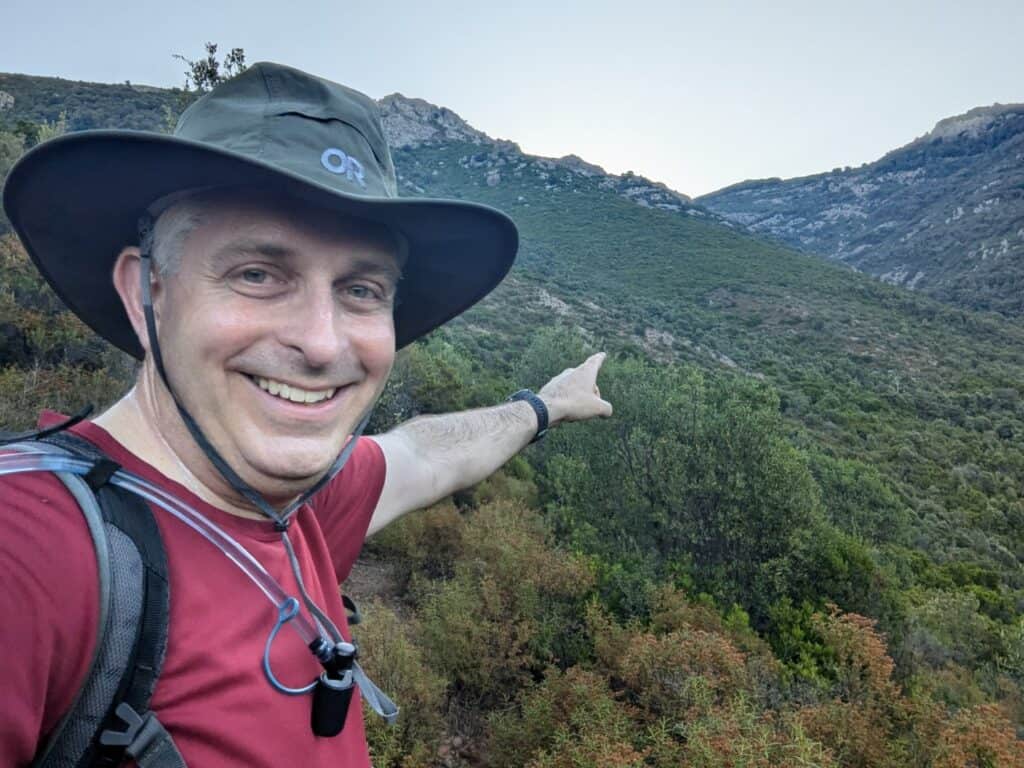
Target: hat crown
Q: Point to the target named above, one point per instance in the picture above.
(76, 200)
(307, 125)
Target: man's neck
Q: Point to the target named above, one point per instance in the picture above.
(134, 422)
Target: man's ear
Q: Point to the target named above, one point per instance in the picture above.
(127, 272)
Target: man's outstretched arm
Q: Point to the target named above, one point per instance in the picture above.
(431, 457)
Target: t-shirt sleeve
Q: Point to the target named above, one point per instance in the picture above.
(345, 506)
(49, 600)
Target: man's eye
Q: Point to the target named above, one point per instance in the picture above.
(361, 292)
(255, 276)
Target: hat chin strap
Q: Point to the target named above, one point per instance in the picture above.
(331, 641)
(282, 517)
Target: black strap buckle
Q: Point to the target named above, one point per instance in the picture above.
(132, 719)
(144, 738)
(354, 616)
(101, 472)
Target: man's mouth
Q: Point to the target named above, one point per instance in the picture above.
(293, 393)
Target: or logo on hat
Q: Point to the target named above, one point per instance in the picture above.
(336, 161)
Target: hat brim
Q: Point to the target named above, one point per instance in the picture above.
(75, 201)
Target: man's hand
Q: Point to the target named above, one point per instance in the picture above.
(573, 394)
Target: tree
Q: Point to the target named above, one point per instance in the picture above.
(694, 476)
(204, 74)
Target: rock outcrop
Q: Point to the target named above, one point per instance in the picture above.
(412, 123)
(943, 214)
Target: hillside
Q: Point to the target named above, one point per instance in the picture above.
(34, 100)
(869, 371)
(789, 434)
(943, 215)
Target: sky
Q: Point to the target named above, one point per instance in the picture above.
(699, 95)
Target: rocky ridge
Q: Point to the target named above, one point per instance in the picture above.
(943, 214)
(412, 123)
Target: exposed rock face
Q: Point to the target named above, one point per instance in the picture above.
(943, 215)
(410, 123)
(6, 100)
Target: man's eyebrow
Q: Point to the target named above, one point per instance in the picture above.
(360, 265)
(255, 247)
(364, 266)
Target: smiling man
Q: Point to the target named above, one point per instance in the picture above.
(261, 266)
(283, 317)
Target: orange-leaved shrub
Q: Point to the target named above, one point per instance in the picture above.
(865, 723)
(979, 737)
(678, 675)
(569, 716)
(738, 734)
(682, 675)
(512, 607)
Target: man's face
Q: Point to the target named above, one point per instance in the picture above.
(277, 334)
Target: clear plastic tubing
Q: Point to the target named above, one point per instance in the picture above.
(14, 463)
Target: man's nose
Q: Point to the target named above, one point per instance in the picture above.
(316, 327)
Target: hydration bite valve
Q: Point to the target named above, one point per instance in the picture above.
(334, 688)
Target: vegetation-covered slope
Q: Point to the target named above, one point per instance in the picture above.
(927, 394)
(34, 100)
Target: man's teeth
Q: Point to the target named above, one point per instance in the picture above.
(293, 393)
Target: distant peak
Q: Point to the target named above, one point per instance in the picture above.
(581, 166)
(411, 122)
(972, 123)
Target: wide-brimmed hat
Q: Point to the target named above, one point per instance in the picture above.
(76, 200)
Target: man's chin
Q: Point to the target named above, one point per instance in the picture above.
(295, 472)
(278, 464)
(281, 489)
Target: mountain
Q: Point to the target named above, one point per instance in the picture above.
(413, 123)
(943, 215)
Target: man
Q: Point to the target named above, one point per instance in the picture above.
(274, 274)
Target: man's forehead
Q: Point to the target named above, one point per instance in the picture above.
(268, 222)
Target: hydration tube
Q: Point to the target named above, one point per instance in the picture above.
(26, 461)
(330, 702)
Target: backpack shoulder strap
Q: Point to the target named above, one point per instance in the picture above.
(109, 717)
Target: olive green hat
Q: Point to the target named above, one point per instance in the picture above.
(76, 200)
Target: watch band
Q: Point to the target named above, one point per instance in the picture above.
(539, 408)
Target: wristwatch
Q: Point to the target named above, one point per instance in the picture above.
(539, 408)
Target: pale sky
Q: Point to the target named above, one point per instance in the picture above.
(698, 95)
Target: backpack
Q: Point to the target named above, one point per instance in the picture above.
(109, 718)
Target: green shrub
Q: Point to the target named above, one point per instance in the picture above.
(425, 544)
(393, 662)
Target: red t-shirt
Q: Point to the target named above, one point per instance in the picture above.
(212, 695)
